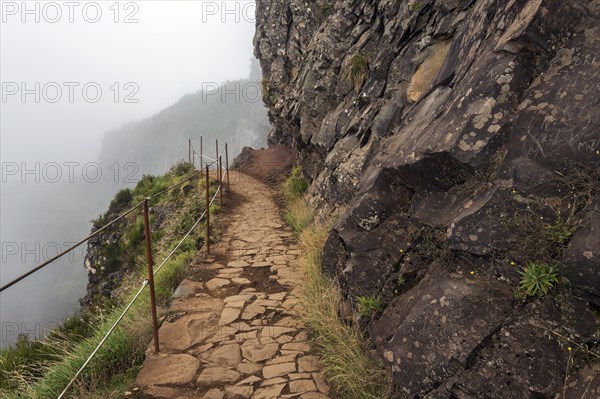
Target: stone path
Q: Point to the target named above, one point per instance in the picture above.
(233, 330)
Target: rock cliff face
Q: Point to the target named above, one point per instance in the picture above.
(461, 139)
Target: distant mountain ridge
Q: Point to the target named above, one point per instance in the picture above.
(233, 112)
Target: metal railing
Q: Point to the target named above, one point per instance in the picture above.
(220, 169)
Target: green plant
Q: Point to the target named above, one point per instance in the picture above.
(536, 279)
(181, 169)
(358, 69)
(295, 185)
(401, 281)
(123, 197)
(415, 6)
(298, 214)
(367, 305)
(265, 86)
(429, 243)
(325, 9)
(559, 232)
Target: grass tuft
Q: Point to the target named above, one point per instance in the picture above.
(368, 305)
(357, 70)
(537, 279)
(298, 214)
(352, 368)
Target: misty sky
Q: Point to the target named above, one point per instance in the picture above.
(172, 50)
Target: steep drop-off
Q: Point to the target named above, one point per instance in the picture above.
(461, 142)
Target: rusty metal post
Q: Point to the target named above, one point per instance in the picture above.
(221, 180)
(217, 147)
(151, 275)
(227, 166)
(201, 153)
(207, 212)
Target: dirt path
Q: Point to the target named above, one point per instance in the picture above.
(233, 330)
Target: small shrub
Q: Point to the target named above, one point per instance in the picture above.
(181, 169)
(135, 233)
(367, 305)
(357, 72)
(401, 281)
(415, 6)
(122, 198)
(559, 232)
(265, 86)
(295, 185)
(536, 279)
(112, 252)
(325, 9)
(298, 214)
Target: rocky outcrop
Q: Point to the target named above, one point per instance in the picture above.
(462, 139)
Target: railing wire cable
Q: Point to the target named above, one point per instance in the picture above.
(60, 255)
(114, 326)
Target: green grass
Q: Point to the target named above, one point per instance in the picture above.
(325, 9)
(298, 214)
(353, 369)
(560, 232)
(357, 70)
(369, 305)
(350, 366)
(295, 186)
(537, 279)
(415, 6)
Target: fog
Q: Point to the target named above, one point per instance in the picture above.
(65, 83)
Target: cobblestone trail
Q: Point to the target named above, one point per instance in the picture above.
(233, 330)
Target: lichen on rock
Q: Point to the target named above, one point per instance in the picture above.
(475, 118)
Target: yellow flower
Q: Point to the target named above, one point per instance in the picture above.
(401, 251)
(512, 263)
(570, 349)
(472, 273)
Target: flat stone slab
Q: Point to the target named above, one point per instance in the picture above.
(239, 392)
(262, 264)
(258, 352)
(169, 370)
(229, 315)
(302, 386)
(187, 331)
(187, 288)
(269, 392)
(238, 263)
(217, 283)
(216, 376)
(226, 355)
(278, 370)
